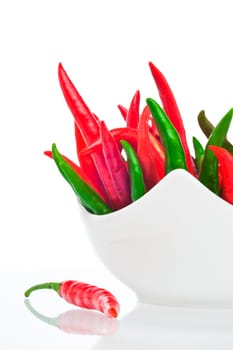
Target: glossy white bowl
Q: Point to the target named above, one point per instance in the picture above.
(173, 246)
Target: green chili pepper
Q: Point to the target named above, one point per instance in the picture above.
(174, 152)
(207, 127)
(199, 152)
(137, 186)
(87, 195)
(209, 166)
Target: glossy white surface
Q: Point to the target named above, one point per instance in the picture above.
(173, 246)
(67, 327)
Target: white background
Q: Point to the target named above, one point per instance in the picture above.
(105, 47)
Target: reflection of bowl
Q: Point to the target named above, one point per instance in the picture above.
(173, 246)
(166, 328)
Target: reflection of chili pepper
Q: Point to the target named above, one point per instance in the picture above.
(87, 195)
(78, 321)
(83, 295)
(137, 186)
(132, 117)
(174, 153)
(172, 111)
(207, 127)
(209, 165)
(225, 159)
(199, 152)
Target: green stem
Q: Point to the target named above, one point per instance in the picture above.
(48, 285)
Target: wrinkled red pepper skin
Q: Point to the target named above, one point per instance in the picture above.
(172, 111)
(83, 295)
(90, 297)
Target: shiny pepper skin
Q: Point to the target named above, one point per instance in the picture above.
(91, 297)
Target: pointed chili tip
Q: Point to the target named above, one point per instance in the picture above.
(112, 312)
(151, 65)
(149, 100)
(61, 70)
(48, 154)
(60, 66)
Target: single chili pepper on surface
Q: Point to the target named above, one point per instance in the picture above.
(83, 295)
(199, 152)
(151, 161)
(118, 187)
(78, 321)
(209, 165)
(137, 186)
(172, 111)
(174, 153)
(225, 159)
(132, 117)
(87, 195)
(207, 127)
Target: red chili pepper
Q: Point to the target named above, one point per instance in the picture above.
(118, 186)
(83, 295)
(89, 129)
(172, 111)
(85, 120)
(87, 164)
(225, 159)
(123, 110)
(132, 117)
(130, 135)
(151, 162)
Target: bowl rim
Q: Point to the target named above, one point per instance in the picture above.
(165, 181)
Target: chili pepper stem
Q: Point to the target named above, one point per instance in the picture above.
(48, 285)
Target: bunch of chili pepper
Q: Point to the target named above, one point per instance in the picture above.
(116, 167)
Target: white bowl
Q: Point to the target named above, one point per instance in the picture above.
(173, 246)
